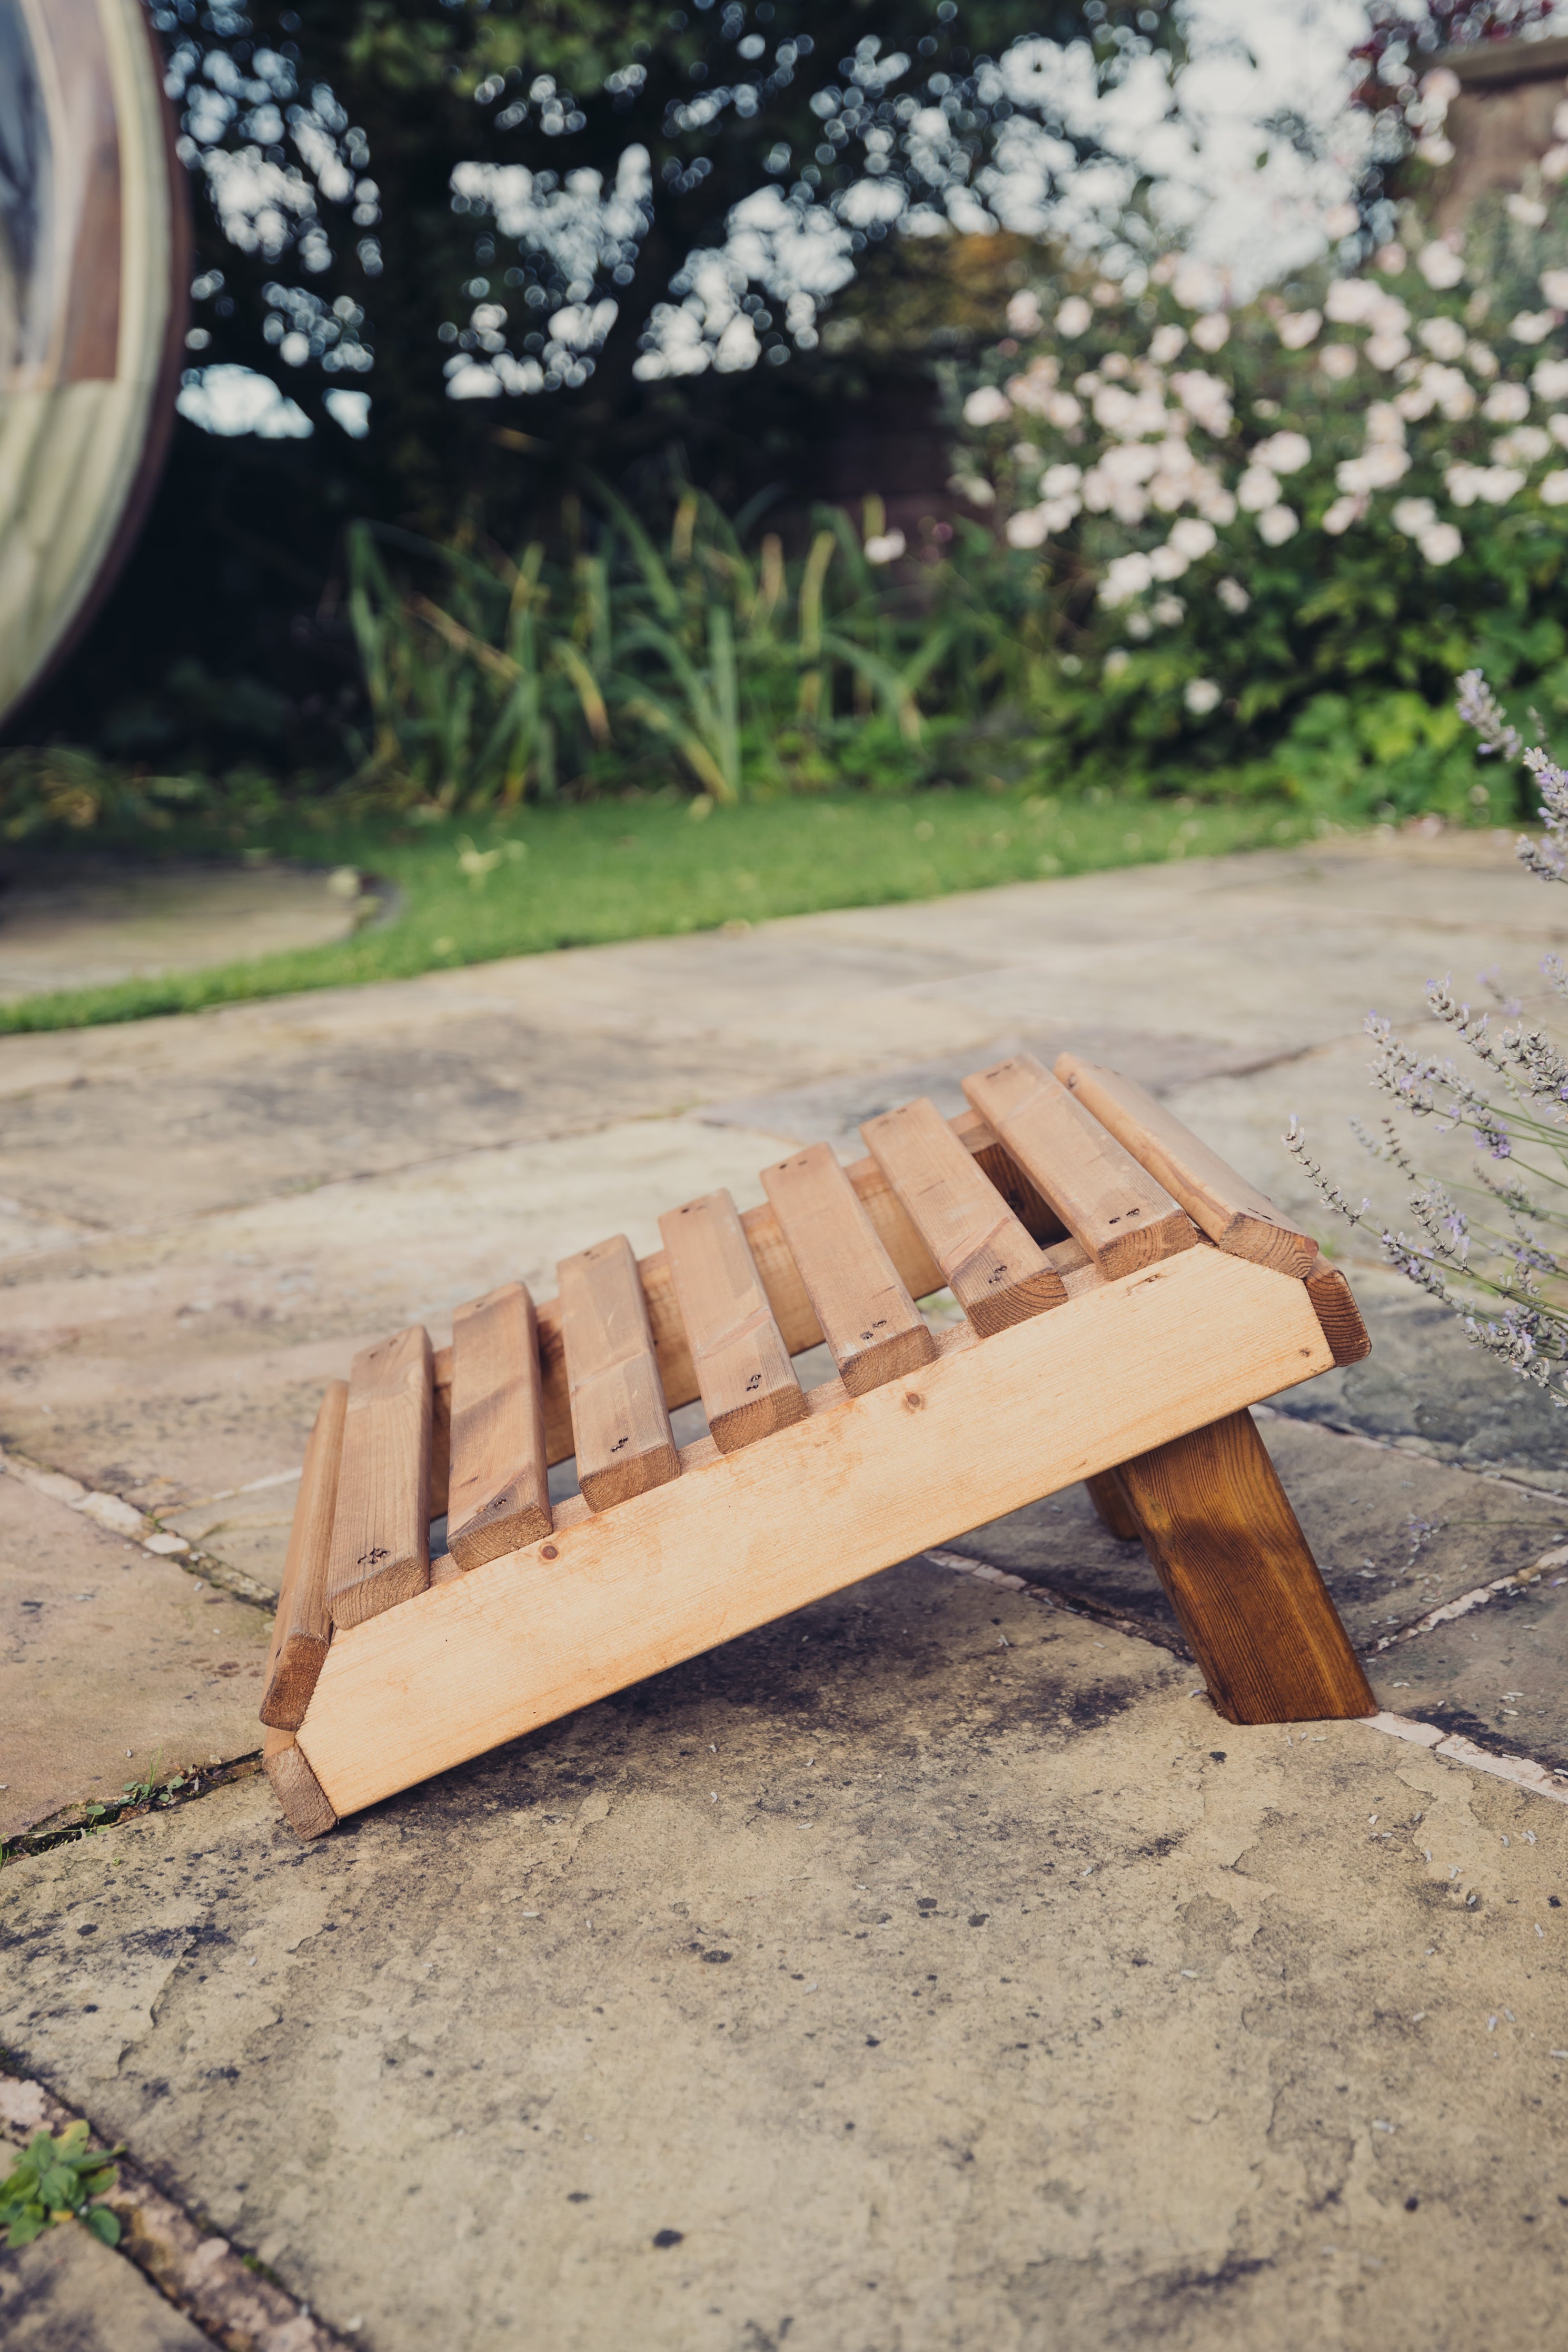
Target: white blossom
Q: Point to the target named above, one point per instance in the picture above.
(1023, 314)
(1167, 610)
(1284, 452)
(1444, 338)
(885, 547)
(1202, 697)
(1198, 285)
(1441, 544)
(1060, 481)
(1257, 488)
(1337, 361)
(1558, 428)
(1529, 210)
(1505, 404)
(1027, 529)
(1277, 524)
(1167, 562)
(1386, 350)
(1126, 576)
(1116, 661)
(1232, 595)
(1212, 331)
(1480, 359)
(1074, 317)
(1379, 466)
(1549, 379)
(1494, 485)
(1531, 326)
(1412, 516)
(1525, 446)
(986, 406)
(1440, 266)
(1167, 343)
(1343, 513)
(1555, 167)
(1384, 421)
(1297, 328)
(1554, 285)
(1194, 538)
(1205, 399)
(1555, 489)
(1352, 301)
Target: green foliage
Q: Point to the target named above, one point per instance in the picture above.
(57, 2180)
(1275, 533)
(619, 659)
(515, 882)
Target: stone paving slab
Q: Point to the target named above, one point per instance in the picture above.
(1397, 1537)
(932, 1969)
(66, 2293)
(86, 922)
(114, 1665)
(1178, 2166)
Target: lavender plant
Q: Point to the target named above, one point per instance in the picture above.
(1492, 1248)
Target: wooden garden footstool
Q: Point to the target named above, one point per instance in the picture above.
(1126, 1298)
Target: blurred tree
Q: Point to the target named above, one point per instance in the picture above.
(577, 217)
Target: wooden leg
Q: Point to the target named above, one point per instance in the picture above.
(1109, 1497)
(1240, 1576)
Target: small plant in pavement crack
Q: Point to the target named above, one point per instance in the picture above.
(57, 2180)
(1493, 1247)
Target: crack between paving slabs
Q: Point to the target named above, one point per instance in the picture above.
(232, 2297)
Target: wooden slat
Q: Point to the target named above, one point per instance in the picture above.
(988, 1426)
(303, 1626)
(744, 1376)
(295, 1786)
(1334, 1304)
(875, 1329)
(1121, 1215)
(620, 1424)
(1233, 1212)
(498, 1497)
(996, 1273)
(381, 1530)
(1241, 1579)
(913, 1263)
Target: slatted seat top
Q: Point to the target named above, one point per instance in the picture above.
(1051, 1187)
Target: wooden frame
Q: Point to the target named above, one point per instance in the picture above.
(1137, 1381)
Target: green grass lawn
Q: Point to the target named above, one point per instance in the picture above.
(471, 891)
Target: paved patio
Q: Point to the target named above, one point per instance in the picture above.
(933, 1970)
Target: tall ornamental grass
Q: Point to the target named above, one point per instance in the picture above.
(623, 658)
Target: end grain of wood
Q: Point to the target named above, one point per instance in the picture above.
(296, 1787)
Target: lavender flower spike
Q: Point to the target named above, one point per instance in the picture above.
(1479, 708)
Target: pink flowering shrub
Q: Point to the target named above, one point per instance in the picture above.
(1270, 534)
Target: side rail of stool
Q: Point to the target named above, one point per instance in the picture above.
(1125, 1296)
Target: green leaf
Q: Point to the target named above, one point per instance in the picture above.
(103, 2224)
(30, 2223)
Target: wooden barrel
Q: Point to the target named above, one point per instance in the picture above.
(94, 284)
